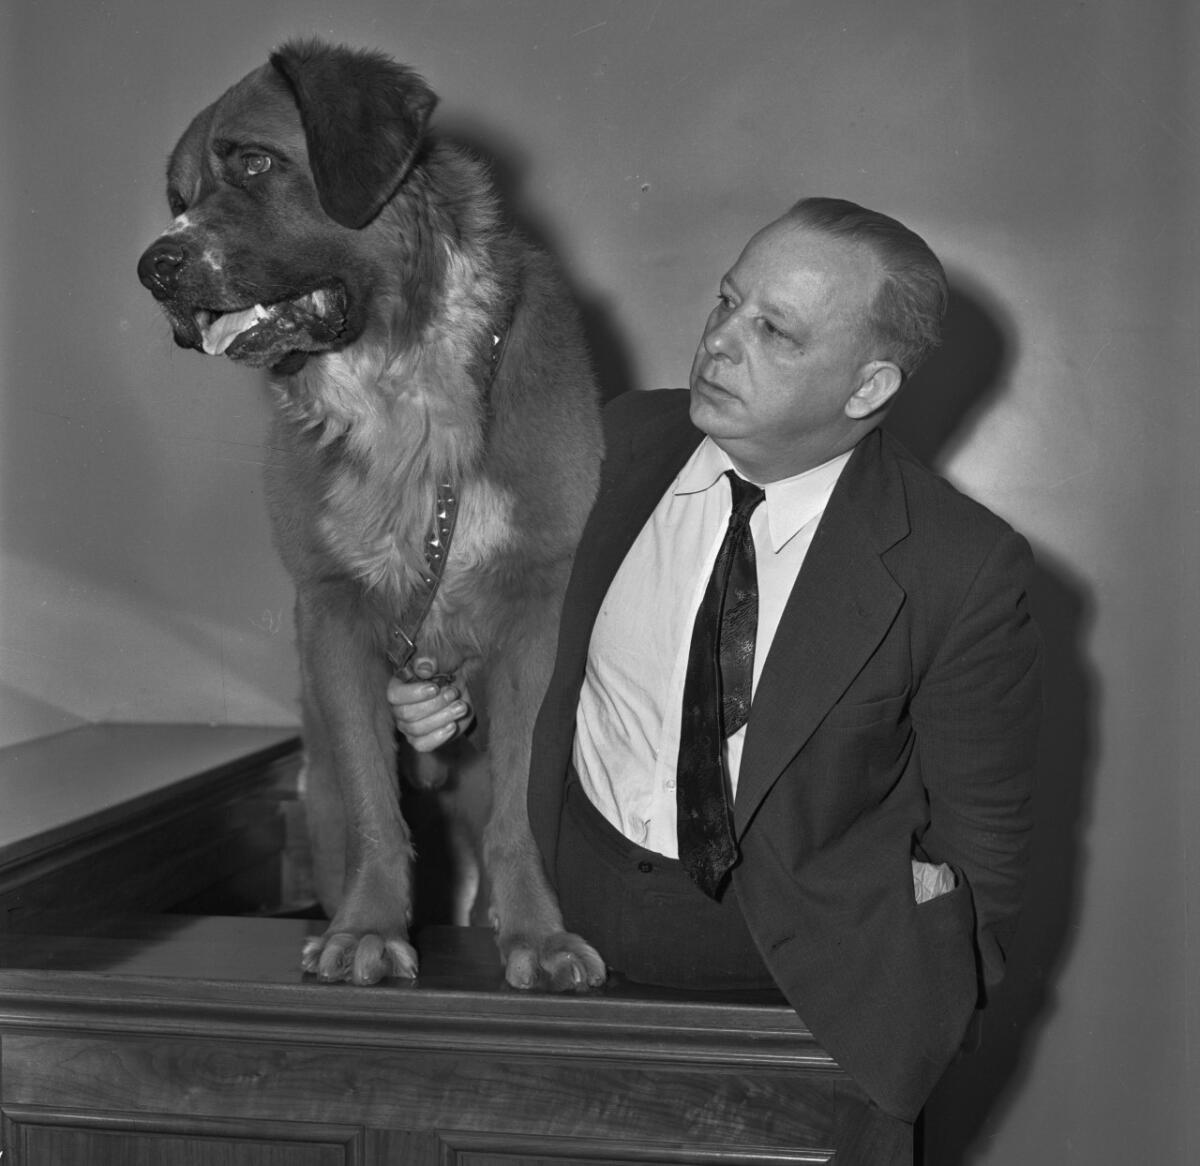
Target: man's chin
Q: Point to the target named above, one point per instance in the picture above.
(708, 404)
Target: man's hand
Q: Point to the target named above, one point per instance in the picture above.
(427, 715)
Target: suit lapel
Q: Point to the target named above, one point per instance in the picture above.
(841, 606)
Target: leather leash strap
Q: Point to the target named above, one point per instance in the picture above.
(402, 645)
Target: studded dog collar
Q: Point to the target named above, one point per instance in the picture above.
(402, 645)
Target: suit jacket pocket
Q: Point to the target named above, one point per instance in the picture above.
(946, 922)
(861, 714)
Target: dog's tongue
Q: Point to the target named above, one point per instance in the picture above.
(224, 330)
(262, 337)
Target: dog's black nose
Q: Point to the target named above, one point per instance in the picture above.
(159, 267)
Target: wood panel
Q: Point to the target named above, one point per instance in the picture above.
(172, 1039)
(459, 1151)
(40, 1137)
(559, 1096)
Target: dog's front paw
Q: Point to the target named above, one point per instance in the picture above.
(360, 959)
(560, 962)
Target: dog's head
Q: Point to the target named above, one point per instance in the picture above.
(275, 189)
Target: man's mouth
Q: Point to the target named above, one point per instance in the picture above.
(704, 383)
(263, 333)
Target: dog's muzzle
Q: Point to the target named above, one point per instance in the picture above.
(279, 334)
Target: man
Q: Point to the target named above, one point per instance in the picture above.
(867, 849)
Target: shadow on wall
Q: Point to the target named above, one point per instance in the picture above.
(508, 165)
(935, 414)
(933, 417)
(978, 1091)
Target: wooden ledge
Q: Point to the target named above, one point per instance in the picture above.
(239, 978)
(117, 818)
(64, 786)
(133, 1035)
(201, 1035)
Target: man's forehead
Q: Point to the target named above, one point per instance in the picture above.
(811, 266)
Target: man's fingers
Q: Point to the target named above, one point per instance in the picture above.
(431, 741)
(428, 715)
(443, 718)
(413, 701)
(427, 720)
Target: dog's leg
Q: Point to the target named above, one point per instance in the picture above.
(345, 678)
(534, 948)
(323, 810)
(466, 803)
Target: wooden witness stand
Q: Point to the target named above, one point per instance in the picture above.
(152, 1038)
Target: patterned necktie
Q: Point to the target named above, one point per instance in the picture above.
(716, 698)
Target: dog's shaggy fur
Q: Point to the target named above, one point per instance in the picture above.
(322, 234)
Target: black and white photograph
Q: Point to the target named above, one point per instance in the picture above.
(599, 581)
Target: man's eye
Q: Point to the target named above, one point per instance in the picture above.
(256, 163)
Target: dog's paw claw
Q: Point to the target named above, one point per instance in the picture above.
(358, 959)
(569, 972)
(311, 953)
(561, 962)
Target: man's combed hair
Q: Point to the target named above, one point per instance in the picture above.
(910, 305)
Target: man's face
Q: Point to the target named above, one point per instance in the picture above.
(784, 350)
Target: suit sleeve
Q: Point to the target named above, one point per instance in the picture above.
(976, 715)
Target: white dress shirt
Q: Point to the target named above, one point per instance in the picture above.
(627, 725)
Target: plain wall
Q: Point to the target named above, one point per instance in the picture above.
(1046, 149)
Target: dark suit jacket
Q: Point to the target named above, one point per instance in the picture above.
(895, 717)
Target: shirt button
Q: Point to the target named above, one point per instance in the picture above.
(645, 867)
(669, 783)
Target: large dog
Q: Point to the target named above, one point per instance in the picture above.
(431, 383)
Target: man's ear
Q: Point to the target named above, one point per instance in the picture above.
(363, 117)
(880, 379)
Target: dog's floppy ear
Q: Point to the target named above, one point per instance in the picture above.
(363, 118)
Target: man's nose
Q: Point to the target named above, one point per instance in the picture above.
(720, 337)
(160, 265)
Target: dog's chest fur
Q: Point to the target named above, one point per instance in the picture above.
(384, 437)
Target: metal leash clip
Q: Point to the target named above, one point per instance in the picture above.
(401, 654)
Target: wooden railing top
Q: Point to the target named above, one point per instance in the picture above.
(57, 788)
(240, 978)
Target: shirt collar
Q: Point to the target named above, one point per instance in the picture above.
(791, 503)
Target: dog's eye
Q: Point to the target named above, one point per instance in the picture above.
(175, 203)
(256, 163)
